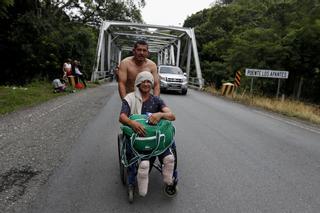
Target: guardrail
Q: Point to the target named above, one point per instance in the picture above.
(98, 75)
(195, 82)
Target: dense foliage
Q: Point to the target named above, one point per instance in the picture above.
(38, 36)
(268, 34)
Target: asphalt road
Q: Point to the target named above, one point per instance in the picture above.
(231, 158)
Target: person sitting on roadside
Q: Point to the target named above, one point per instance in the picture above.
(58, 85)
(142, 101)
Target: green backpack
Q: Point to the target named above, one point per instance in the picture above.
(158, 137)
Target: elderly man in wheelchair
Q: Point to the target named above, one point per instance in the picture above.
(147, 134)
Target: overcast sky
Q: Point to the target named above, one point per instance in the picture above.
(172, 12)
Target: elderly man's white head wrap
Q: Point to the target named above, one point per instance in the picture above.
(144, 76)
(134, 99)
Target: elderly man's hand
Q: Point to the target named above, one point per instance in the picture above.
(138, 128)
(155, 118)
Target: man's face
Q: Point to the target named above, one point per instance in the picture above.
(141, 52)
(145, 86)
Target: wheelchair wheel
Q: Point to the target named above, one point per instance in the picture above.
(123, 170)
(170, 190)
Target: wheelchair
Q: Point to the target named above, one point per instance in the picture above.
(169, 190)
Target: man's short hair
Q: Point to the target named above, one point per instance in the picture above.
(140, 42)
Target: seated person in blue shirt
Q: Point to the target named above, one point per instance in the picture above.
(142, 101)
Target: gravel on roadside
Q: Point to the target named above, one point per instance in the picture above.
(35, 141)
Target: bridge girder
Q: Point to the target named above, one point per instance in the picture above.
(166, 41)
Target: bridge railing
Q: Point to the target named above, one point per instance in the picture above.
(195, 82)
(99, 75)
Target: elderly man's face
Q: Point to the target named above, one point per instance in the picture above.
(145, 86)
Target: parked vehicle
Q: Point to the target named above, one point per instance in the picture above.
(172, 78)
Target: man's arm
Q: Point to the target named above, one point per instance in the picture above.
(136, 126)
(164, 114)
(156, 88)
(122, 80)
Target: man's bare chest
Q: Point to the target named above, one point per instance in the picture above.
(135, 70)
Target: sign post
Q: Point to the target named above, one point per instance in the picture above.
(251, 85)
(278, 89)
(267, 74)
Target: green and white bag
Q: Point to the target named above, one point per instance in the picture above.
(158, 137)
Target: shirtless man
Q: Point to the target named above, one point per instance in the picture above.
(131, 66)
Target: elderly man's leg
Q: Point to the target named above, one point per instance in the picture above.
(167, 170)
(143, 177)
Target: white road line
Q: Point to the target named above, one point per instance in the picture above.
(289, 122)
(54, 108)
(59, 106)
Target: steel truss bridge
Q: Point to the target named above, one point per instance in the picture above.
(167, 45)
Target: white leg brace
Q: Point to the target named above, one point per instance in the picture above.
(143, 177)
(167, 170)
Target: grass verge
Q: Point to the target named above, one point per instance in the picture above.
(13, 98)
(286, 107)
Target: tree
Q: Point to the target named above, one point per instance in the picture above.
(224, 1)
(94, 12)
(268, 34)
(4, 4)
(37, 36)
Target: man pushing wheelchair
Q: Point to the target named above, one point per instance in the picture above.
(148, 134)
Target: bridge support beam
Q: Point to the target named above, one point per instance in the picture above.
(164, 41)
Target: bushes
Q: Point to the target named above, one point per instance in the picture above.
(35, 40)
